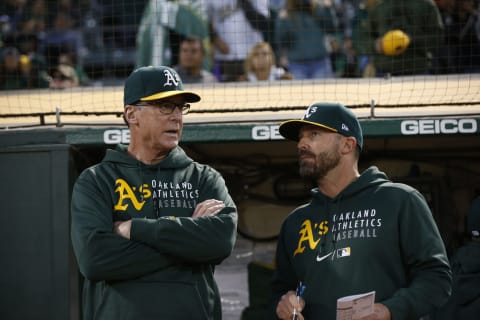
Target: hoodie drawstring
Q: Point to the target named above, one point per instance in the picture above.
(140, 191)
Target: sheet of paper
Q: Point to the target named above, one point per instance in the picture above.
(355, 306)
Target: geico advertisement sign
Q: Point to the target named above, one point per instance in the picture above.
(266, 133)
(407, 127)
(115, 136)
(438, 126)
(270, 132)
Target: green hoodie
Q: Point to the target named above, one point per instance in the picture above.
(165, 271)
(374, 235)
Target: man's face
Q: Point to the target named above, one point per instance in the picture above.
(160, 131)
(318, 151)
(191, 54)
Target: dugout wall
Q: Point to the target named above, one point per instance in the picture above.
(39, 277)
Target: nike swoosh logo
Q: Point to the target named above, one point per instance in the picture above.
(323, 257)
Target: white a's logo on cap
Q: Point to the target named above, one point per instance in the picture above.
(311, 110)
(344, 127)
(172, 78)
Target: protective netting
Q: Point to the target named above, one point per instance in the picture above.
(72, 57)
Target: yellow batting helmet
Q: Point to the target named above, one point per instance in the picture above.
(395, 42)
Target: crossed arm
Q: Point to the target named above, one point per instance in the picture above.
(104, 251)
(206, 208)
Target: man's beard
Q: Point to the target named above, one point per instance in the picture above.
(324, 163)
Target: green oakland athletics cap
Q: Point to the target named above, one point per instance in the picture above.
(154, 83)
(331, 116)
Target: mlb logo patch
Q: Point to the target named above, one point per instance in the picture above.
(343, 252)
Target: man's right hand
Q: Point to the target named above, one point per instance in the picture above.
(287, 304)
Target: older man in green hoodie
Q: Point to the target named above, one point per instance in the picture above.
(149, 224)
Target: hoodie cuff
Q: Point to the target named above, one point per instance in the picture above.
(143, 230)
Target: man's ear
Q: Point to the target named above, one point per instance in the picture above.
(349, 145)
(129, 115)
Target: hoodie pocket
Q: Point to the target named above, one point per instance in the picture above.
(147, 300)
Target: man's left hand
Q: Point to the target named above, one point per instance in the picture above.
(208, 208)
(380, 312)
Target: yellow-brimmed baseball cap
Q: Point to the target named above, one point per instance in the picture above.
(154, 83)
(330, 116)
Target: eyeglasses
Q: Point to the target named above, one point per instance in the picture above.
(165, 107)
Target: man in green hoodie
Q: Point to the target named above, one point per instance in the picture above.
(149, 224)
(359, 233)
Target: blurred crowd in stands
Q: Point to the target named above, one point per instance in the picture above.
(67, 43)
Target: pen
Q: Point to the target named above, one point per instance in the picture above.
(298, 294)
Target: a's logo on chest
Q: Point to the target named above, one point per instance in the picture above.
(310, 235)
(128, 195)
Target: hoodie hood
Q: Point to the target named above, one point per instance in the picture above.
(177, 158)
(370, 178)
